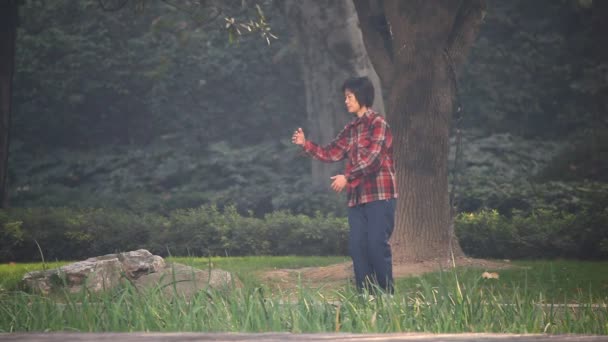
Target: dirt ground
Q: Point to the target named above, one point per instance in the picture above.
(336, 275)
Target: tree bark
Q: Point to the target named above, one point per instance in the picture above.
(329, 51)
(8, 33)
(417, 47)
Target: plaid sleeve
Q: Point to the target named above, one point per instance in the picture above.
(369, 159)
(334, 151)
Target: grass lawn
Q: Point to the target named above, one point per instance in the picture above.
(247, 267)
(558, 281)
(548, 281)
(11, 274)
(440, 302)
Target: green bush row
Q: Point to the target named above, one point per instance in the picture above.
(26, 234)
(540, 233)
(70, 233)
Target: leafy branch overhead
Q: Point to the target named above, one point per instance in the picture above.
(237, 16)
(261, 26)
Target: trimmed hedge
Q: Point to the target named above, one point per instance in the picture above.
(69, 234)
(542, 233)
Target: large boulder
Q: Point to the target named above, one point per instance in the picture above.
(140, 267)
(96, 275)
(185, 281)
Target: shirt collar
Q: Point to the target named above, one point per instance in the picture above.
(365, 117)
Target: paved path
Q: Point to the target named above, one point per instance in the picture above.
(280, 337)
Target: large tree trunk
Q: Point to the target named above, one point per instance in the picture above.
(8, 32)
(329, 51)
(415, 47)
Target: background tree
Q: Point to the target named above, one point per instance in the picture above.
(600, 57)
(415, 47)
(330, 49)
(8, 33)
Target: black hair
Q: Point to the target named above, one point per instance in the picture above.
(363, 89)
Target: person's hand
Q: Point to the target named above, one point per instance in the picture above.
(298, 137)
(339, 182)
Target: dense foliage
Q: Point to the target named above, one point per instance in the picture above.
(70, 234)
(534, 70)
(87, 78)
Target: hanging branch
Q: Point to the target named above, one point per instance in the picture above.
(458, 119)
(232, 25)
(261, 26)
(466, 27)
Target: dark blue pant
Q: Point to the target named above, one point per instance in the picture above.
(371, 226)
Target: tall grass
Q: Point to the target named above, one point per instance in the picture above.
(452, 304)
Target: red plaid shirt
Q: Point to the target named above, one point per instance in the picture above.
(367, 142)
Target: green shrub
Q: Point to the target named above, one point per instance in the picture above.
(486, 233)
(208, 231)
(119, 230)
(57, 229)
(68, 234)
(11, 237)
(306, 235)
(64, 233)
(544, 233)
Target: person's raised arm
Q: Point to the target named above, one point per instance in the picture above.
(334, 151)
